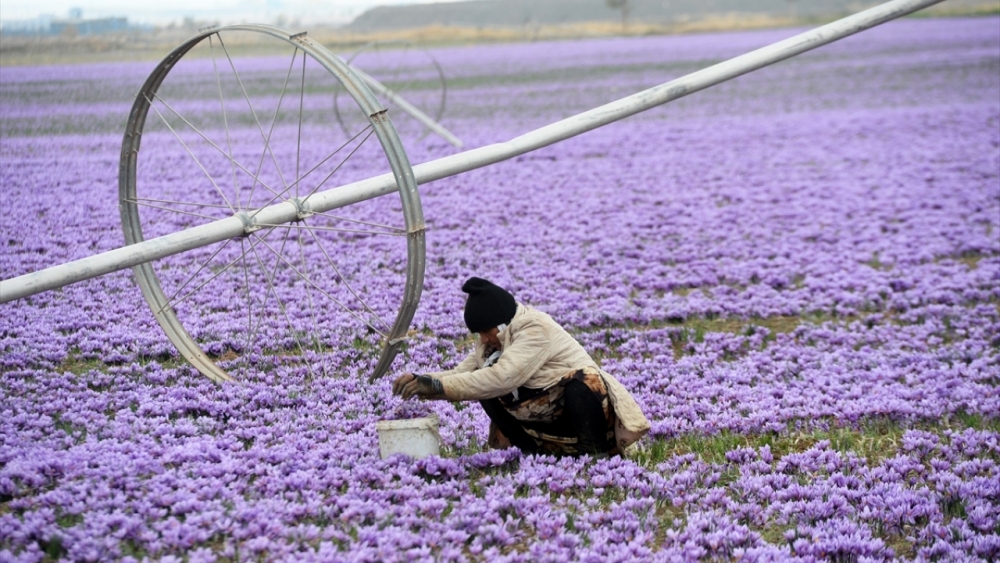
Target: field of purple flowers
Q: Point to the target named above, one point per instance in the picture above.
(796, 273)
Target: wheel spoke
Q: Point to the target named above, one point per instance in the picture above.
(212, 143)
(142, 200)
(324, 292)
(170, 301)
(348, 157)
(369, 223)
(225, 121)
(334, 229)
(270, 131)
(298, 145)
(296, 183)
(198, 162)
(409, 81)
(343, 280)
(281, 305)
(309, 298)
(246, 96)
(267, 293)
(164, 208)
(195, 274)
(247, 348)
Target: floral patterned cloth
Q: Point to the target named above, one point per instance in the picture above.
(541, 410)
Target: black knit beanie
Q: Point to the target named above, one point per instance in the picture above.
(488, 305)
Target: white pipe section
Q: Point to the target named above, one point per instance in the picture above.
(675, 89)
(146, 251)
(625, 107)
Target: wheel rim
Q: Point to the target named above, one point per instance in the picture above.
(282, 293)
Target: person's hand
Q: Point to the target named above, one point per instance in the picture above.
(400, 382)
(422, 385)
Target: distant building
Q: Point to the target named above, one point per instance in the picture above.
(48, 25)
(37, 26)
(89, 27)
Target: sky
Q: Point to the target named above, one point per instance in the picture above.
(223, 11)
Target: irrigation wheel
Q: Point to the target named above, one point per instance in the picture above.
(406, 71)
(225, 134)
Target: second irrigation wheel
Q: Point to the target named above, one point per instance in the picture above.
(404, 77)
(235, 121)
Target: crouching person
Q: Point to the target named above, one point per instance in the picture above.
(542, 391)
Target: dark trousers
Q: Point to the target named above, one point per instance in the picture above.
(582, 418)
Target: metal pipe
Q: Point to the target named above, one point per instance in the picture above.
(624, 107)
(86, 268)
(667, 92)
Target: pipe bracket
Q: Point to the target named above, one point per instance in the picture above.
(249, 223)
(302, 209)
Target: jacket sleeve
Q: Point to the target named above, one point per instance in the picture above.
(529, 349)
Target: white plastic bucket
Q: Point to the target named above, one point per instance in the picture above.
(415, 437)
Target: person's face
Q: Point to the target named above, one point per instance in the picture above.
(489, 337)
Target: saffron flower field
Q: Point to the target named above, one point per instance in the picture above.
(796, 273)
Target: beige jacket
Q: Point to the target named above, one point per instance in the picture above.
(537, 353)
